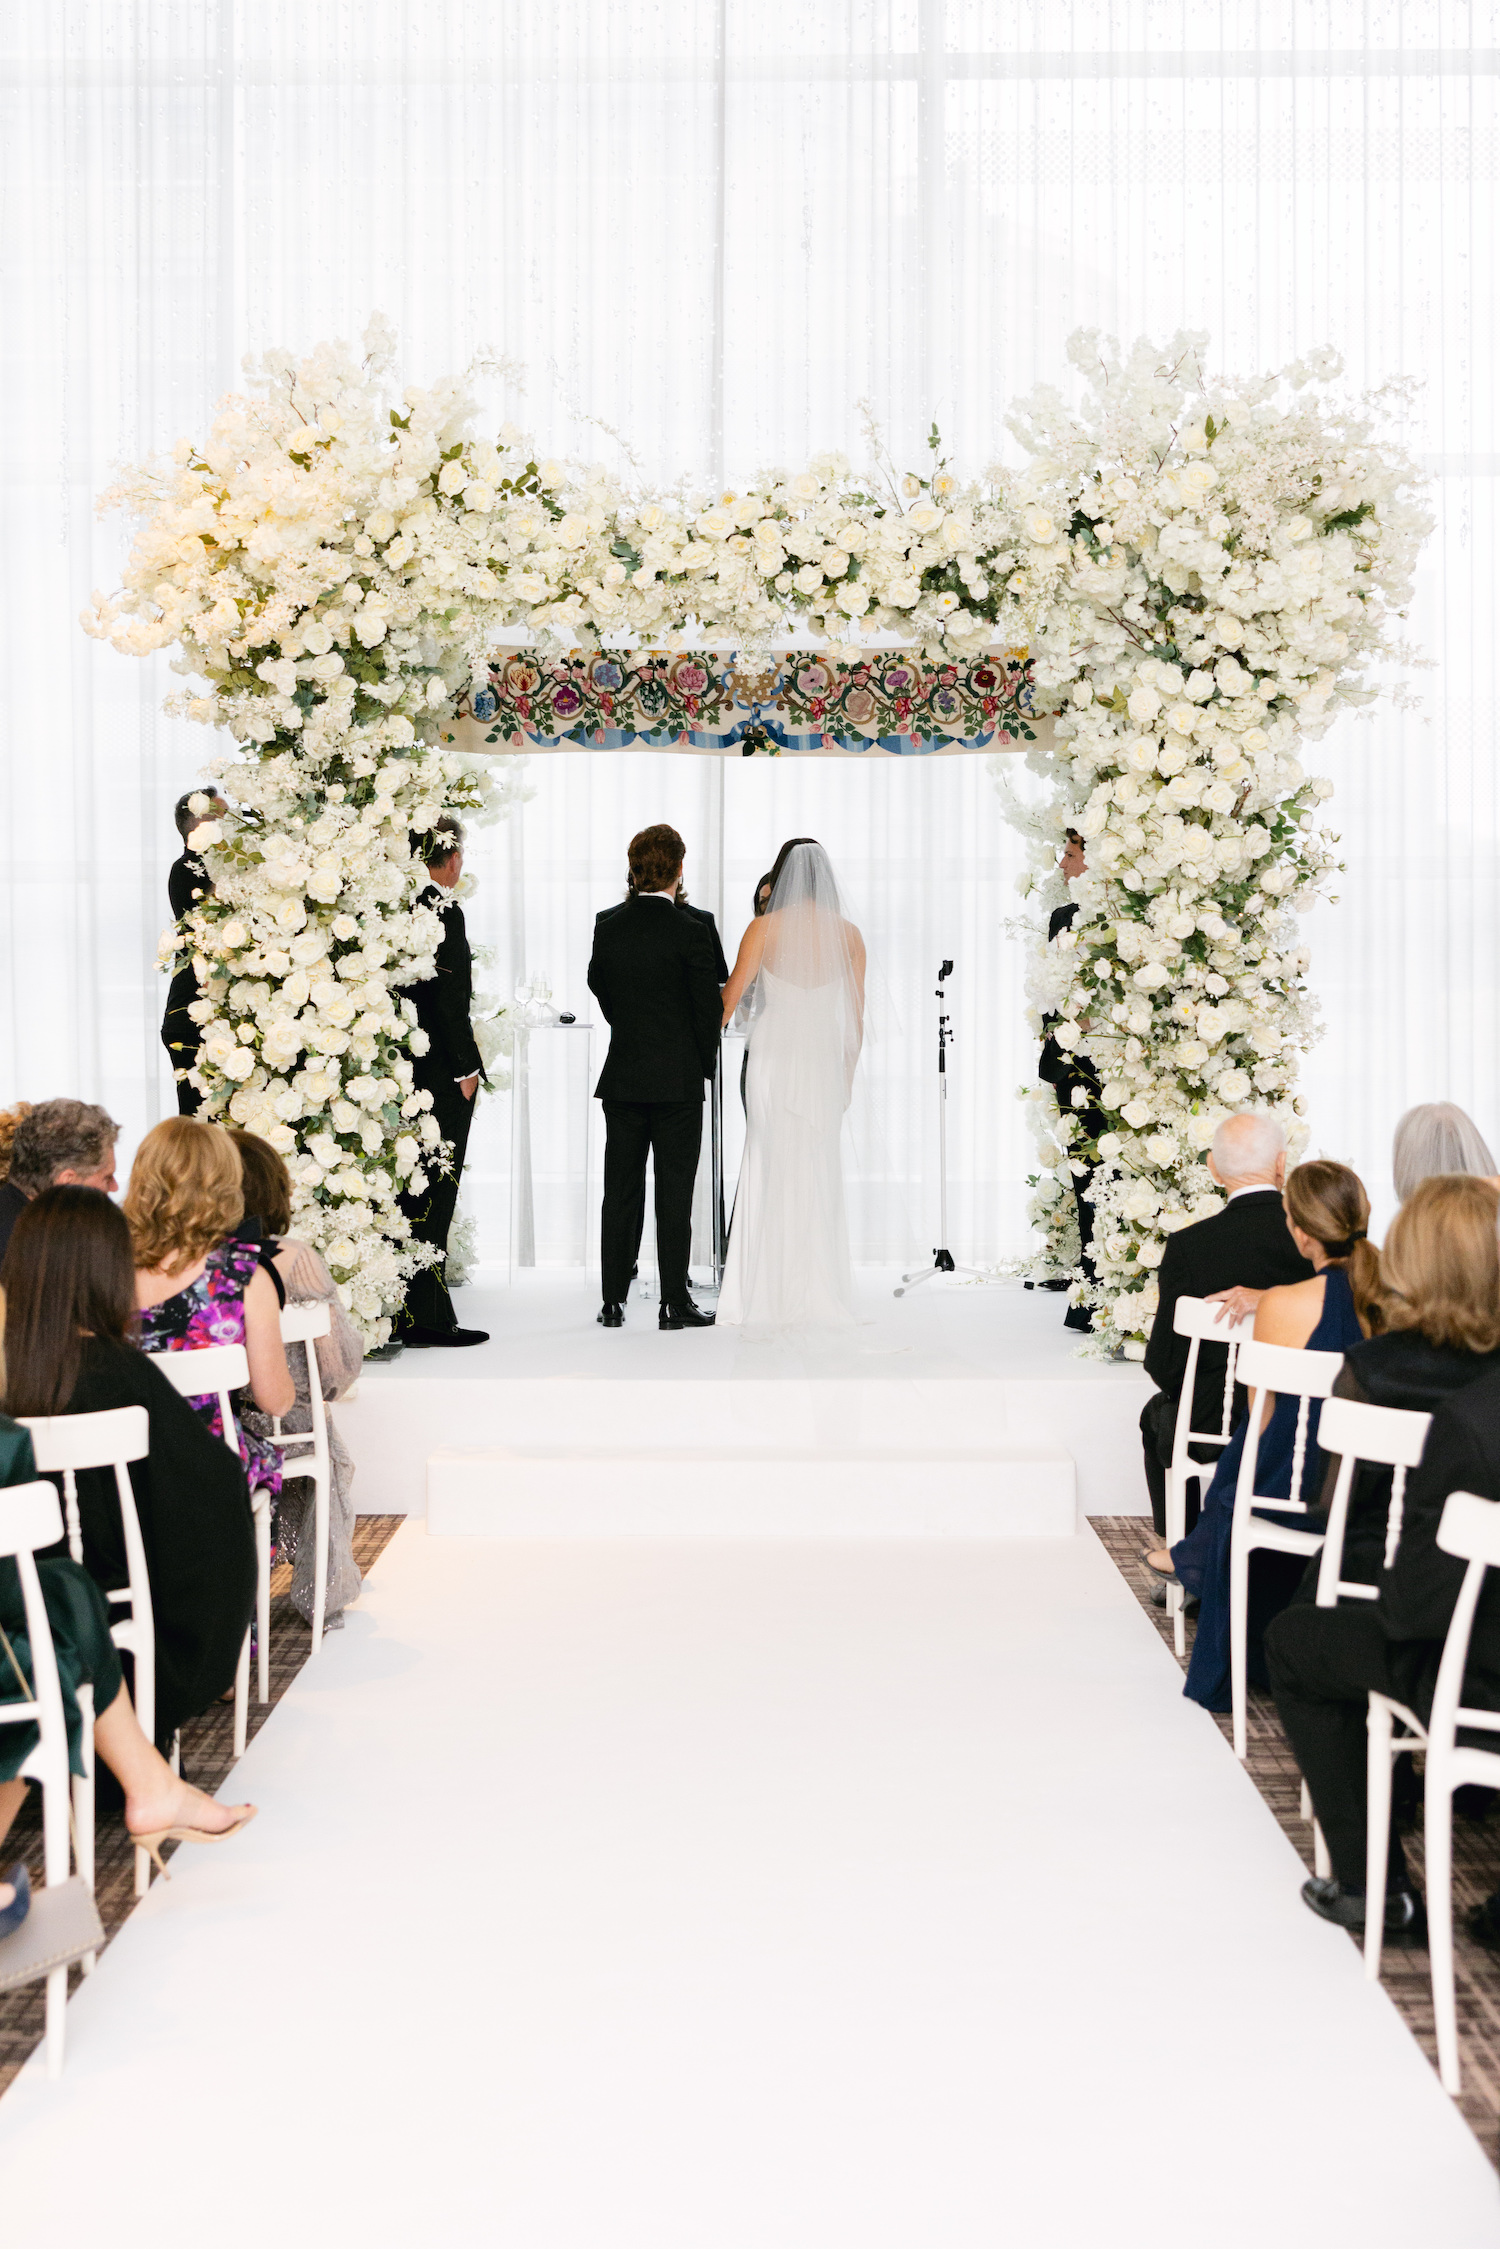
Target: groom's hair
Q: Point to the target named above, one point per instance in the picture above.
(655, 856)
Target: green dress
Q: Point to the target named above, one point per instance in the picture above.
(79, 1617)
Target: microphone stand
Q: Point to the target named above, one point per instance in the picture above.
(942, 1259)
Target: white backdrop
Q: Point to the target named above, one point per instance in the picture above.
(716, 225)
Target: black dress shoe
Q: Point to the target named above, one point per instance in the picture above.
(683, 1316)
(612, 1316)
(443, 1339)
(391, 1350)
(1405, 1914)
(1079, 1318)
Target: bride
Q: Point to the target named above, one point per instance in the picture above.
(788, 1260)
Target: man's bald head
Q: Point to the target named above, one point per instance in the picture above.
(1249, 1150)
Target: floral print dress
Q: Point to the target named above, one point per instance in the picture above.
(212, 1310)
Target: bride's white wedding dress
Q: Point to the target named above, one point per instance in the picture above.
(788, 1263)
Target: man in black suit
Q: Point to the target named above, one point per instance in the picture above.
(654, 974)
(450, 1070)
(1075, 1081)
(1247, 1245)
(1323, 1662)
(187, 882)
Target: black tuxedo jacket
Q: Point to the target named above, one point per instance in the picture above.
(1417, 1596)
(442, 1001)
(699, 914)
(1057, 1068)
(1244, 1245)
(187, 882)
(653, 973)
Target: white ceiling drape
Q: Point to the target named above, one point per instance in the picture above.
(716, 226)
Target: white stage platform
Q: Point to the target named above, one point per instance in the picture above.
(965, 1409)
(691, 1896)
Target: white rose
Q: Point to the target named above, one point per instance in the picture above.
(480, 498)
(924, 517)
(1151, 977)
(1136, 1113)
(572, 531)
(1039, 527)
(452, 477)
(1228, 631)
(1109, 1143)
(381, 524)
(326, 668)
(1231, 1086)
(854, 600)
(1162, 1149)
(1143, 705)
(1140, 755)
(528, 585)
(1191, 1052)
(1182, 718)
(1150, 1254)
(232, 935)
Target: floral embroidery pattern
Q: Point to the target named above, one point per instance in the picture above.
(211, 1310)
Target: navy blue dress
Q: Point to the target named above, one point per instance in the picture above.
(1201, 1560)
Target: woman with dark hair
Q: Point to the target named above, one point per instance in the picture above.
(307, 1280)
(1327, 1213)
(158, 1805)
(69, 1279)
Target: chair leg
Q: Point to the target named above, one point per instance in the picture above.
(82, 1788)
(57, 2008)
(242, 1697)
(1377, 1830)
(320, 1560)
(263, 1600)
(1177, 1611)
(1439, 1842)
(1239, 1607)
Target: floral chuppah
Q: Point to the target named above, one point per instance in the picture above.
(338, 567)
(1225, 564)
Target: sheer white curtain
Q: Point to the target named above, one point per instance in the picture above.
(716, 225)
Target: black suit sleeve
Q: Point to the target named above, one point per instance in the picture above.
(1166, 1351)
(598, 980)
(705, 999)
(187, 882)
(1418, 1596)
(451, 995)
(721, 966)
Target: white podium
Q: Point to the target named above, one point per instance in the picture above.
(572, 1045)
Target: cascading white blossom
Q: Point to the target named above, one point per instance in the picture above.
(1217, 568)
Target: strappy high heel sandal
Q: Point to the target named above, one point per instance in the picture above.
(154, 1838)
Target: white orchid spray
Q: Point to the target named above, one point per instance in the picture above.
(1216, 569)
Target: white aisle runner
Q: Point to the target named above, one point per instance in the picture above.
(740, 1898)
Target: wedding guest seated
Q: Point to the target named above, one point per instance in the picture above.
(158, 1805)
(307, 1280)
(1244, 1243)
(70, 1348)
(1440, 1317)
(196, 1283)
(56, 1144)
(1323, 1663)
(1327, 1213)
(1436, 1138)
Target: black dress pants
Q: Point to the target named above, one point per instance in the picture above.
(1322, 1663)
(671, 1132)
(428, 1304)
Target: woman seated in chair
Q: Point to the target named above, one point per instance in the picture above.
(306, 1280)
(196, 1284)
(158, 1805)
(1328, 1212)
(70, 1283)
(1440, 1323)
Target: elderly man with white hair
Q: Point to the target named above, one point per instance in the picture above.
(1245, 1246)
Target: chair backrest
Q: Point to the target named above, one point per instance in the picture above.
(1385, 1436)
(304, 1324)
(214, 1369)
(1470, 1529)
(67, 1443)
(30, 1517)
(1196, 1317)
(1303, 1375)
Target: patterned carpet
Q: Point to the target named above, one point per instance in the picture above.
(207, 1755)
(1476, 1871)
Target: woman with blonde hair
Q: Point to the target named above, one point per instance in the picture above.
(1327, 1214)
(195, 1282)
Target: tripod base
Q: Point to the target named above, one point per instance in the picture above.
(942, 1262)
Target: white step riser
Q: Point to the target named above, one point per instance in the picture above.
(749, 1495)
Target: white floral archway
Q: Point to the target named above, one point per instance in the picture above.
(1195, 574)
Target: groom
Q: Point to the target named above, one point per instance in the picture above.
(653, 973)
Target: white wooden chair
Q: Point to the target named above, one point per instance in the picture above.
(1267, 1370)
(1197, 1318)
(304, 1324)
(1470, 1529)
(63, 1924)
(217, 1369)
(1386, 1436)
(65, 1444)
